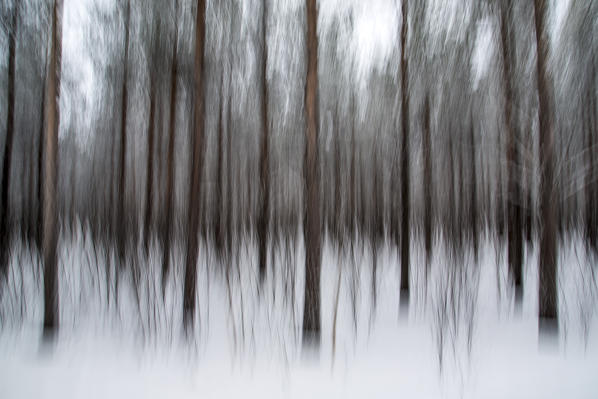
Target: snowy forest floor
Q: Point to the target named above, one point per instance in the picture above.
(462, 336)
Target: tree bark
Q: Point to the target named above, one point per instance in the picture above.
(405, 176)
(197, 145)
(589, 123)
(10, 123)
(264, 188)
(548, 306)
(311, 229)
(170, 160)
(50, 226)
(514, 231)
(473, 190)
(149, 185)
(427, 155)
(121, 222)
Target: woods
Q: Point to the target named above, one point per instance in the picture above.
(208, 134)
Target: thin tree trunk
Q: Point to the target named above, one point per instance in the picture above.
(10, 123)
(264, 188)
(50, 227)
(548, 306)
(473, 190)
(589, 122)
(514, 233)
(311, 313)
(170, 160)
(40, 165)
(150, 150)
(427, 154)
(121, 222)
(405, 185)
(197, 145)
(218, 222)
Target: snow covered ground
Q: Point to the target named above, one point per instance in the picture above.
(463, 336)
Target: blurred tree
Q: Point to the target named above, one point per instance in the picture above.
(312, 227)
(50, 219)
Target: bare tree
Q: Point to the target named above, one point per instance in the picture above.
(197, 145)
(548, 309)
(10, 123)
(264, 187)
(50, 220)
(150, 144)
(312, 228)
(405, 227)
(514, 231)
(167, 239)
(121, 224)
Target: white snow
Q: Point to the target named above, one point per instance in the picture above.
(490, 349)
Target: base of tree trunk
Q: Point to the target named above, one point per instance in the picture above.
(518, 295)
(548, 332)
(404, 303)
(49, 336)
(311, 343)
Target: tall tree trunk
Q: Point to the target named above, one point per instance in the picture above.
(150, 149)
(473, 190)
(219, 225)
(10, 123)
(427, 155)
(548, 307)
(405, 200)
(589, 123)
(514, 233)
(264, 188)
(40, 165)
(311, 229)
(197, 145)
(50, 220)
(121, 222)
(170, 160)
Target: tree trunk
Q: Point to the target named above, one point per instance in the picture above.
(197, 145)
(150, 149)
(170, 160)
(121, 222)
(427, 155)
(589, 123)
(218, 222)
(10, 123)
(50, 226)
(264, 188)
(311, 229)
(548, 306)
(405, 200)
(514, 233)
(473, 191)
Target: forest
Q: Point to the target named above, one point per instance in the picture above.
(296, 155)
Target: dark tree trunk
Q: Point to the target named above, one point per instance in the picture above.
(197, 145)
(264, 187)
(405, 185)
(219, 224)
(40, 166)
(514, 232)
(591, 219)
(121, 222)
(427, 182)
(170, 160)
(50, 227)
(311, 229)
(473, 191)
(10, 124)
(548, 306)
(149, 185)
